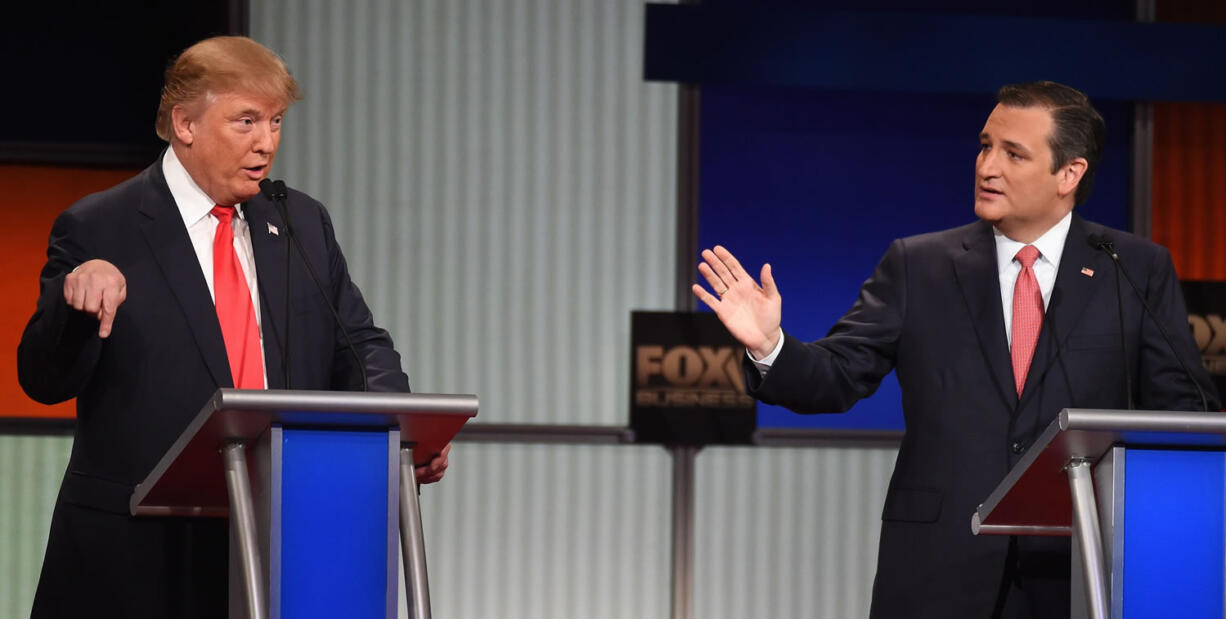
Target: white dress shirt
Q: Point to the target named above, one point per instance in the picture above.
(1050, 246)
(195, 207)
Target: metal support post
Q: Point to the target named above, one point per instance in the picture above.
(683, 531)
(1089, 535)
(412, 540)
(242, 518)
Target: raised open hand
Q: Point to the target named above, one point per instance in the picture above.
(750, 312)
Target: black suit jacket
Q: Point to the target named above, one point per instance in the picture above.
(139, 388)
(932, 313)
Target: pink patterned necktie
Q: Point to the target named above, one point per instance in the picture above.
(1027, 315)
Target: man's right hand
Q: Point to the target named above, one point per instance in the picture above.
(750, 312)
(96, 287)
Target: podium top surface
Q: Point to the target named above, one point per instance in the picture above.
(190, 478)
(1034, 498)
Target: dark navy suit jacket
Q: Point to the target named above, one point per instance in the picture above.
(139, 388)
(932, 313)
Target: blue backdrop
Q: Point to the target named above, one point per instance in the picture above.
(818, 183)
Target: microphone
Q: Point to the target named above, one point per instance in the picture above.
(1105, 244)
(277, 192)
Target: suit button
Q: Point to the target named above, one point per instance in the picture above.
(1018, 447)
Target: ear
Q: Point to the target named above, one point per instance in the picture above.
(182, 124)
(1069, 176)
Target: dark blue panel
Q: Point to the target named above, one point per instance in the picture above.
(819, 183)
(334, 527)
(1172, 439)
(1174, 534)
(1124, 10)
(933, 53)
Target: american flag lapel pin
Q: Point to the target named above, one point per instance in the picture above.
(273, 231)
(1087, 271)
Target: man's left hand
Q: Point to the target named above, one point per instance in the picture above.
(433, 470)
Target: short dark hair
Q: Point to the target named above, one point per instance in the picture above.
(1077, 128)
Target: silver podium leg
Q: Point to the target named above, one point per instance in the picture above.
(242, 518)
(683, 531)
(412, 540)
(1085, 523)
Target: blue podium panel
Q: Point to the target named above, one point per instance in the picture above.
(1174, 533)
(335, 531)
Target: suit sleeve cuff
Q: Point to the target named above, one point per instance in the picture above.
(764, 364)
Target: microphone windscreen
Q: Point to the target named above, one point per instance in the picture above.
(1100, 241)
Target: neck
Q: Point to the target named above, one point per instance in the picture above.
(1029, 232)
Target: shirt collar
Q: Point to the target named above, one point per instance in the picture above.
(193, 203)
(1050, 245)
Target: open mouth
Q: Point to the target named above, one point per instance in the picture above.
(255, 171)
(989, 191)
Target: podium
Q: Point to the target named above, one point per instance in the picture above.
(1142, 493)
(318, 487)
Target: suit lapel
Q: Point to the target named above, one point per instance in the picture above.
(163, 229)
(268, 249)
(1070, 297)
(979, 280)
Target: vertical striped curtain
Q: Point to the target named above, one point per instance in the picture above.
(502, 181)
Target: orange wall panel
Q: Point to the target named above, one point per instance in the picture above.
(1189, 187)
(1189, 191)
(31, 197)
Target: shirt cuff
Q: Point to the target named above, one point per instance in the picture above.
(764, 364)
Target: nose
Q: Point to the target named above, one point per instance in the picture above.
(986, 165)
(265, 140)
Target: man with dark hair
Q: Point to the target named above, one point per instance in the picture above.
(1077, 128)
(157, 292)
(992, 328)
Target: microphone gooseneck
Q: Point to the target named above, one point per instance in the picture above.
(278, 193)
(1053, 332)
(1105, 244)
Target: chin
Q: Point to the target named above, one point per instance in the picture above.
(989, 212)
(247, 192)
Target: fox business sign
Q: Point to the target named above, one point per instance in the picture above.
(1207, 319)
(686, 381)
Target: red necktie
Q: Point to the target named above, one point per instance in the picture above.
(234, 310)
(1027, 315)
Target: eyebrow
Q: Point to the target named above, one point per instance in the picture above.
(1016, 146)
(258, 113)
(1008, 143)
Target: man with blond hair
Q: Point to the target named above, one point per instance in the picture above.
(156, 293)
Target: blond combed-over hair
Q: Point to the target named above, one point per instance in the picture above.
(225, 64)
